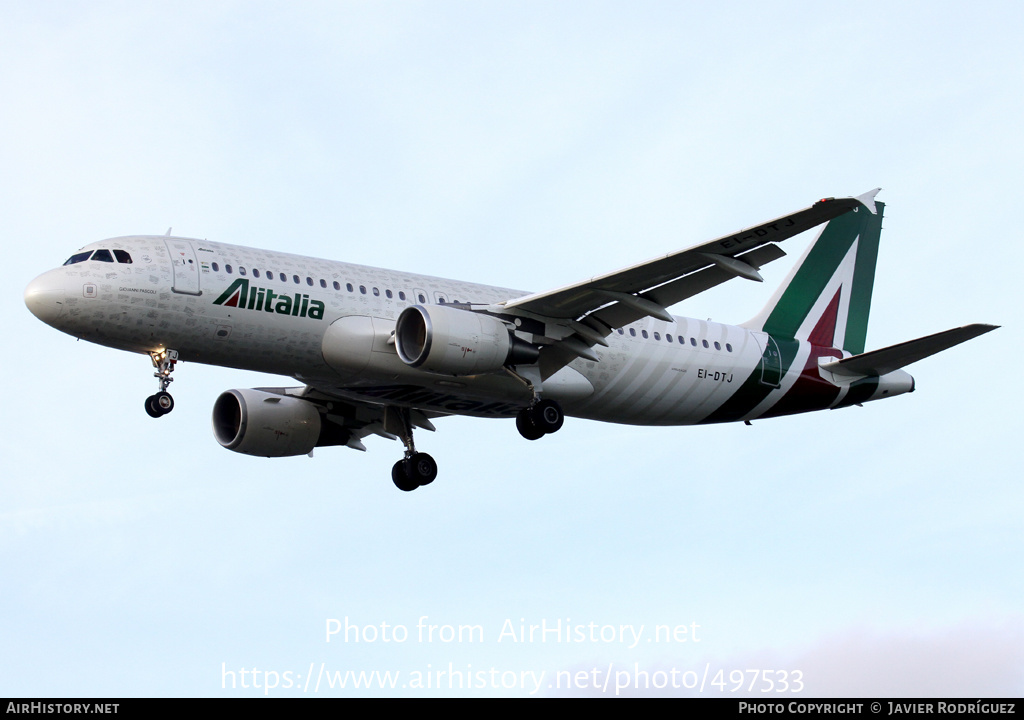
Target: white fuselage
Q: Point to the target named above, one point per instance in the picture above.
(329, 325)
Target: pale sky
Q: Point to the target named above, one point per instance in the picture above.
(876, 550)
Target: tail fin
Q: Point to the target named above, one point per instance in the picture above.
(827, 297)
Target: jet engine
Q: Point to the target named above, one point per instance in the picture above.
(265, 424)
(448, 341)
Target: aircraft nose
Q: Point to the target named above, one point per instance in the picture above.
(44, 297)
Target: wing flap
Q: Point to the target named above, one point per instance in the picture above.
(687, 286)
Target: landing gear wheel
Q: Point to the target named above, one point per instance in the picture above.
(526, 427)
(423, 468)
(547, 416)
(401, 478)
(414, 471)
(152, 409)
(159, 405)
(164, 402)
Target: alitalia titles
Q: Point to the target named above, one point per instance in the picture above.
(239, 294)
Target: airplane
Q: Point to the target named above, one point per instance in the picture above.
(383, 352)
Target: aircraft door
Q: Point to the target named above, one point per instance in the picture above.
(186, 269)
(771, 360)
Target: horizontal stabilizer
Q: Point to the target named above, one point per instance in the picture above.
(894, 357)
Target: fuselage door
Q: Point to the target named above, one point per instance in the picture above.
(186, 269)
(771, 363)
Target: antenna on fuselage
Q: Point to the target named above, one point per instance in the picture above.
(168, 233)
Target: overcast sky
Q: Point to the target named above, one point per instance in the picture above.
(876, 550)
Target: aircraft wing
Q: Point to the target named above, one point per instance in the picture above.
(347, 422)
(665, 280)
(581, 315)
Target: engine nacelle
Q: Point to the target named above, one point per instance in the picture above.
(265, 424)
(449, 341)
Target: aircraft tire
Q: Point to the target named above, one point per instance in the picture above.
(401, 478)
(422, 468)
(163, 402)
(152, 409)
(525, 426)
(547, 416)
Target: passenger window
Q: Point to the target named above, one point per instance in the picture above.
(657, 336)
(621, 331)
(388, 293)
(255, 272)
(362, 289)
(632, 331)
(337, 285)
(309, 281)
(123, 257)
(705, 343)
(103, 256)
(241, 270)
(78, 257)
(228, 269)
(422, 299)
(401, 294)
(348, 286)
(693, 341)
(323, 283)
(644, 333)
(728, 347)
(295, 278)
(668, 338)
(216, 267)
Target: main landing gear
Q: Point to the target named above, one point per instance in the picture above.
(162, 403)
(416, 468)
(540, 419)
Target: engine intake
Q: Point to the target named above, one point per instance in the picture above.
(265, 424)
(448, 341)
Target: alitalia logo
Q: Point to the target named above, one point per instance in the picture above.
(240, 295)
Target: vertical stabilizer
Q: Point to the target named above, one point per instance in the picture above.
(827, 296)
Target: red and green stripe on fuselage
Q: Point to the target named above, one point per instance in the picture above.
(820, 311)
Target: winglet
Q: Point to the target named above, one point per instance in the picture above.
(868, 200)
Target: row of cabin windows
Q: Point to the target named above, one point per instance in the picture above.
(271, 275)
(101, 255)
(104, 255)
(680, 338)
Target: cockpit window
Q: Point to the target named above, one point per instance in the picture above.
(103, 256)
(123, 257)
(78, 257)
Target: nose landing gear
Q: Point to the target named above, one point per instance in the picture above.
(162, 403)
